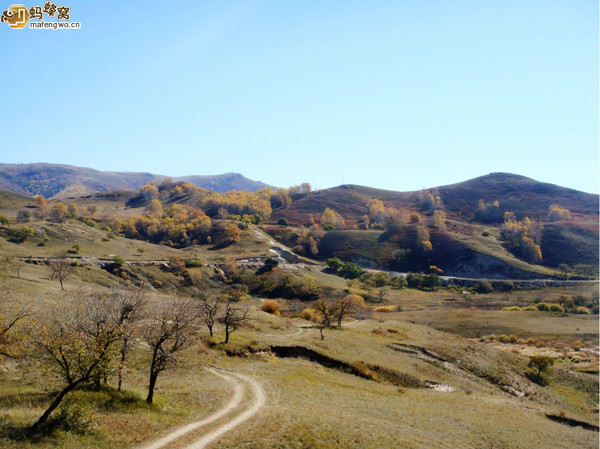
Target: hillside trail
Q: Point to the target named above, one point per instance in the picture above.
(241, 384)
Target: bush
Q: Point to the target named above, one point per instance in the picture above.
(310, 314)
(483, 287)
(283, 222)
(556, 308)
(270, 306)
(77, 416)
(414, 280)
(508, 338)
(192, 263)
(530, 309)
(352, 271)
(118, 261)
(582, 310)
(512, 309)
(334, 263)
(543, 307)
(386, 309)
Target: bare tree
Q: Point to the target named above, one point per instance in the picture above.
(167, 332)
(208, 309)
(61, 269)
(79, 340)
(129, 309)
(233, 317)
(12, 310)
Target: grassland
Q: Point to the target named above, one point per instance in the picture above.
(425, 374)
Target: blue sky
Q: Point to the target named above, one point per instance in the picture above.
(398, 94)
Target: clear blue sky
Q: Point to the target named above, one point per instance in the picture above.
(392, 94)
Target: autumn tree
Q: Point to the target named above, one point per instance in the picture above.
(168, 330)
(376, 211)
(149, 192)
(414, 218)
(41, 207)
(233, 317)
(155, 207)
(423, 242)
(524, 237)
(79, 340)
(431, 199)
(326, 310)
(346, 305)
(439, 220)
(73, 209)
(57, 212)
(40, 201)
(92, 209)
(332, 218)
(280, 198)
(557, 213)
(232, 233)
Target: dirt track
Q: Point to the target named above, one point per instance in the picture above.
(241, 384)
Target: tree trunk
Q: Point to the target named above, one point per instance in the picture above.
(226, 333)
(210, 332)
(54, 404)
(322, 336)
(340, 320)
(61, 284)
(153, 377)
(122, 365)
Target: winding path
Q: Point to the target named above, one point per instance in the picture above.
(231, 407)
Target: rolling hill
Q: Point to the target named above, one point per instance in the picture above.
(61, 181)
(468, 247)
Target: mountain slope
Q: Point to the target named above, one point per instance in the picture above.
(60, 181)
(462, 248)
(223, 183)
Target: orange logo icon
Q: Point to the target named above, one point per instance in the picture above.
(16, 16)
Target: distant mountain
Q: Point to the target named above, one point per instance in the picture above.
(60, 181)
(224, 182)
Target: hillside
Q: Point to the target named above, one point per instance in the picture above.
(61, 181)
(469, 246)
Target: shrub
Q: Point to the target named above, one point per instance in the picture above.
(512, 309)
(77, 416)
(543, 307)
(483, 287)
(508, 338)
(378, 331)
(334, 263)
(530, 309)
(118, 261)
(310, 314)
(192, 263)
(386, 309)
(352, 271)
(556, 308)
(270, 306)
(582, 310)
(283, 222)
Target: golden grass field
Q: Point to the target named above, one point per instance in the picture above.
(430, 380)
